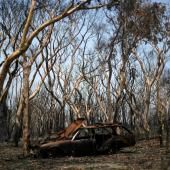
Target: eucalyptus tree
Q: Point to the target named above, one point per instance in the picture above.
(155, 50)
(123, 45)
(131, 16)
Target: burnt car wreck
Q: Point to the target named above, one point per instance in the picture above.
(80, 140)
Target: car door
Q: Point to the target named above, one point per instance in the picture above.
(124, 137)
(83, 143)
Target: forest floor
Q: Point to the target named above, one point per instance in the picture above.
(145, 154)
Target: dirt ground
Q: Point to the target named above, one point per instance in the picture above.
(144, 155)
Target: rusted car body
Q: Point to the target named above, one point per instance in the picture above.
(89, 140)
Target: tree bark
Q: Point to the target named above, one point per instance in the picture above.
(18, 122)
(146, 109)
(26, 115)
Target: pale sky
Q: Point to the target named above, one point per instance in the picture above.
(162, 1)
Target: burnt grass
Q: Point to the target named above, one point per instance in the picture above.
(146, 154)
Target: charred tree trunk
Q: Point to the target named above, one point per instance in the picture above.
(3, 121)
(167, 126)
(108, 91)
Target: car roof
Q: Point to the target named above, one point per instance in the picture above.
(101, 126)
(104, 125)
